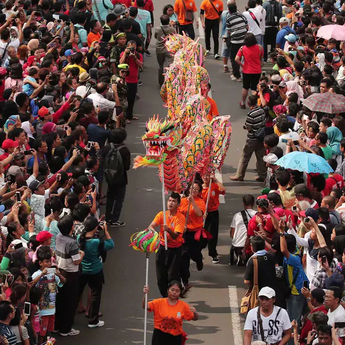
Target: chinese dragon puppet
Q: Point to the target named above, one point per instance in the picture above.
(185, 142)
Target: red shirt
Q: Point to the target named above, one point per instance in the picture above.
(252, 58)
(148, 5)
(335, 181)
(127, 3)
(132, 78)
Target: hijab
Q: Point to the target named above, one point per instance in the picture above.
(27, 128)
(334, 136)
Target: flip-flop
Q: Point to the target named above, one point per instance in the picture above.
(135, 118)
(128, 122)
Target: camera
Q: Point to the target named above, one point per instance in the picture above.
(131, 49)
(263, 85)
(263, 203)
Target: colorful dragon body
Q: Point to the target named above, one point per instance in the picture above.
(185, 142)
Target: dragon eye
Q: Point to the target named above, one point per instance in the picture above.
(167, 129)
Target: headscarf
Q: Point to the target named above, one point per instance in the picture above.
(321, 64)
(334, 136)
(10, 122)
(27, 128)
(293, 86)
(33, 44)
(49, 128)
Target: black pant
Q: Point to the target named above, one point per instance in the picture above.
(212, 226)
(212, 25)
(234, 48)
(162, 338)
(67, 302)
(238, 251)
(95, 282)
(191, 249)
(131, 92)
(168, 264)
(115, 198)
(270, 39)
(188, 30)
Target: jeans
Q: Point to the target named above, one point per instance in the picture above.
(251, 146)
(168, 263)
(270, 39)
(212, 25)
(234, 48)
(259, 39)
(295, 306)
(188, 30)
(212, 226)
(95, 282)
(67, 302)
(131, 92)
(115, 198)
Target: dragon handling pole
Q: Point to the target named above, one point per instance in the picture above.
(164, 215)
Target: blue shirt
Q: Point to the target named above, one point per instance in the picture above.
(98, 134)
(281, 35)
(294, 271)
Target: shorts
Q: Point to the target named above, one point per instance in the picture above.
(47, 324)
(225, 50)
(250, 81)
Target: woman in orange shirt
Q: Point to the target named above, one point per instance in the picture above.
(191, 248)
(212, 214)
(168, 315)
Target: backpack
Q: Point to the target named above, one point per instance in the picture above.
(113, 165)
(272, 18)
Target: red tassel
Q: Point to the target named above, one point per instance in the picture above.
(202, 232)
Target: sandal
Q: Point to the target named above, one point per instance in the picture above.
(135, 118)
(128, 122)
(242, 105)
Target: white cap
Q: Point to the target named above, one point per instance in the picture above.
(267, 292)
(283, 20)
(271, 158)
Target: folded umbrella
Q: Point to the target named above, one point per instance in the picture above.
(332, 31)
(328, 102)
(305, 162)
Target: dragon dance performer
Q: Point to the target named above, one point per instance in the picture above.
(191, 248)
(168, 262)
(212, 215)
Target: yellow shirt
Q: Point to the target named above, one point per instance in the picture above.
(81, 69)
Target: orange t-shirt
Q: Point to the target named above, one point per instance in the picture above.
(169, 318)
(213, 109)
(213, 202)
(91, 37)
(210, 12)
(194, 222)
(179, 9)
(175, 223)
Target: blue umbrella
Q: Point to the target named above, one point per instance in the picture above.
(306, 162)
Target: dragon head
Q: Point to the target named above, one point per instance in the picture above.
(160, 138)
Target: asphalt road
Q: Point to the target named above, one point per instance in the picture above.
(218, 288)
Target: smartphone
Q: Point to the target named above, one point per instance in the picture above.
(306, 284)
(27, 152)
(284, 141)
(87, 198)
(118, 110)
(51, 270)
(18, 196)
(294, 208)
(65, 128)
(29, 280)
(306, 220)
(93, 187)
(89, 145)
(13, 179)
(323, 259)
(27, 308)
(341, 329)
(18, 245)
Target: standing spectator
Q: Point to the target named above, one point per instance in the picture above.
(237, 27)
(68, 259)
(100, 9)
(145, 22)
(256, 21)
(284, 31)
(274, 12)
(164, 58)
(135, 61)
(210, 16)
(225, 50)
(336, 312)
(96, 32)
(185, 15)
(255, 122)
(7, 314)
(239, 227)
(116, 184)
(269, 315)
(251, 67)
(148, 6)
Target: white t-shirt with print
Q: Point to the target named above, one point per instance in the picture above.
(273, 325)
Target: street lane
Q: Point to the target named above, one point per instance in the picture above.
(125, 268)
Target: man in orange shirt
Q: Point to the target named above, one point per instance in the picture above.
(168, 262)
(96, 32)
(210, 16)
(213, 112)
(184, 10)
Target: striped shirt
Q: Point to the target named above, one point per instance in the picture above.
(256, 119)
(67, 252)
(236, 25)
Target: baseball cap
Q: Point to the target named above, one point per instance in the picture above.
(43, 236)
(8, 143)
(271, 158)
(123, 66)
(283, 20)
(3, 71)
(276, 79)
(291, 38)
(43, 112)
(310, 212)
(267, 292)
(36, 183)
(69, 52)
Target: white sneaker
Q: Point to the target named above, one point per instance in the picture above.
(99, 324)
(71, 333)
(232, 77)
(207, 52)
(216, 56)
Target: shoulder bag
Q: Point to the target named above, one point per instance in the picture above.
(188, 15)
(289, 289)
(250, 300)
(98, 15)
(4, 53)
(214, 7)
(261, 329)
(245, 215)
(254, 18)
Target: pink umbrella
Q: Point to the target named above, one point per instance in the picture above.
(332, 31)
